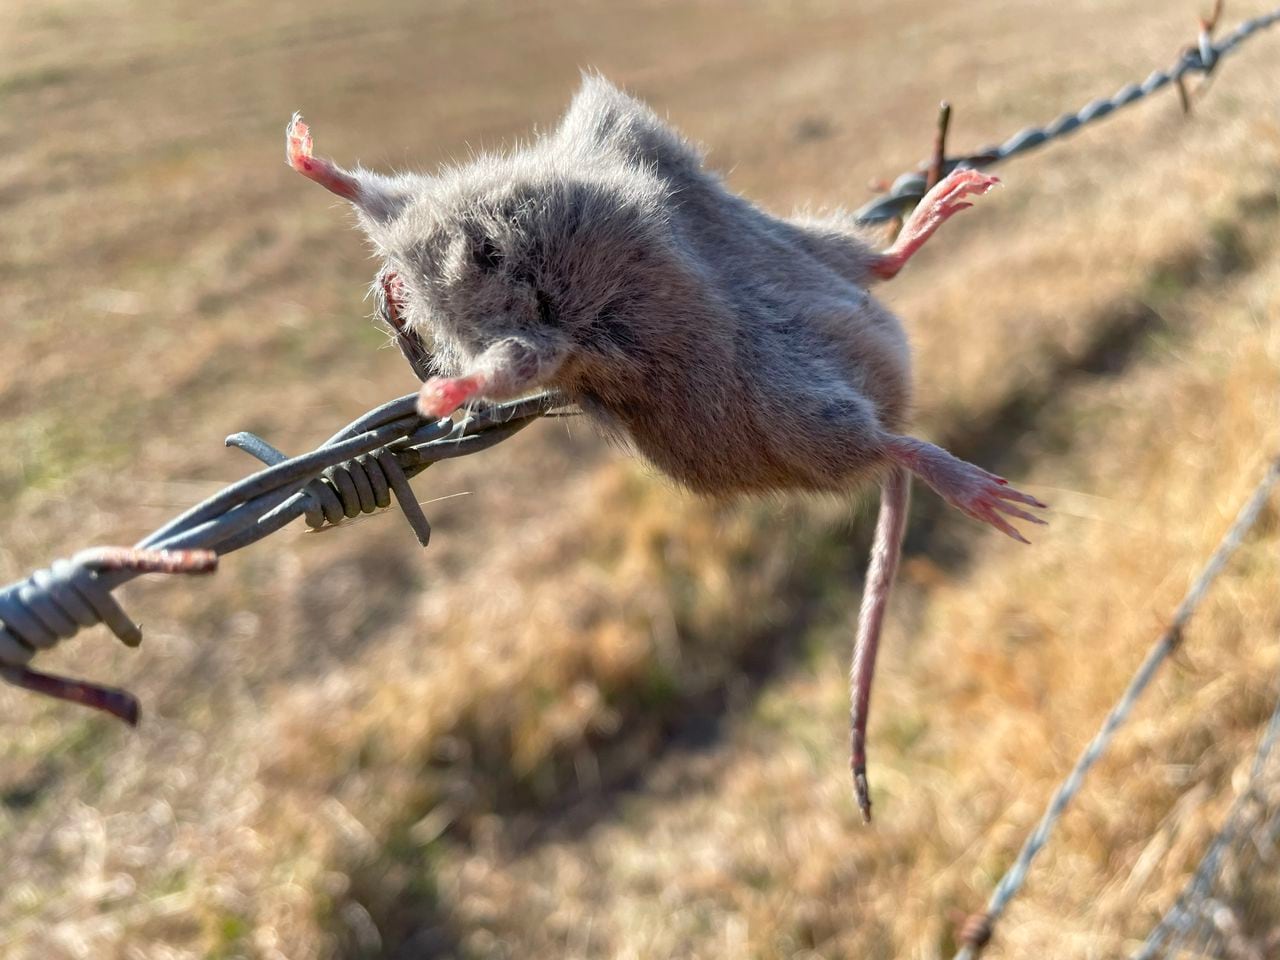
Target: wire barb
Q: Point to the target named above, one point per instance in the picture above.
(976, 932)
(53, 604)
(938, 165)
(355, 471)
(909, 188)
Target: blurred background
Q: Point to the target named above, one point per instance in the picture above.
(600, 717)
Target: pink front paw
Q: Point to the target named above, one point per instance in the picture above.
(942, 202)
(947, 199)
(961, 183)
(299, 151)
(298, 145)
(440, 396)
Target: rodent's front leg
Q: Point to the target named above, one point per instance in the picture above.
(938, 205)
(509, 367)
(298, 151)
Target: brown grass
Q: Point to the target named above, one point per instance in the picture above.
(598, 717)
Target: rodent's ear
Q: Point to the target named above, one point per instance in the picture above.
(603, 115)
(368, 191)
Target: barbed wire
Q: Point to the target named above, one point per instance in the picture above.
(1246, 813)
(978, 930)
(357, 470)
(368, 463)
(1203, 57)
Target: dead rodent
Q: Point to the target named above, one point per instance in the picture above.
(738, 352)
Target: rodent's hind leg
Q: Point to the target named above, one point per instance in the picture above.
(970, 489)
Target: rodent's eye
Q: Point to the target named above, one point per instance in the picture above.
(486, 255)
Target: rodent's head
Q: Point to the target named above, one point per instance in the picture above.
(477, 263)
(504, 248)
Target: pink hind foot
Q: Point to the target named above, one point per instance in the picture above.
(938, 205)
(971, 490)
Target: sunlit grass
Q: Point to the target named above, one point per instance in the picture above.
(599, 717)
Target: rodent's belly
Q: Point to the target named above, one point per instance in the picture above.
(718, 472)
(789, 413)
(751, 454)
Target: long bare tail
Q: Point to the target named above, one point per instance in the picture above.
(895, 494)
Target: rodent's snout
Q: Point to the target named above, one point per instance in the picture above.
(529, 362)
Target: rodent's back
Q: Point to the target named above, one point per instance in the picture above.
(770, 343)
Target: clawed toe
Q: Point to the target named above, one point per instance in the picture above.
(977, 493)
(987, 505)
(1013, 511)
(963, 182)
(1007, 492)
(993, 503)
(298, 140)
(994, 519)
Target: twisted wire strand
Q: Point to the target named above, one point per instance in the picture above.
(371, 460)
(979, 929)
(1245, 813)
(907, 190)
(363, 484)
(357, 470)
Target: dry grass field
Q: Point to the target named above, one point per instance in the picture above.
(599, 717)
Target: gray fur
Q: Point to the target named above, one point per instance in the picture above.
(738, 351)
